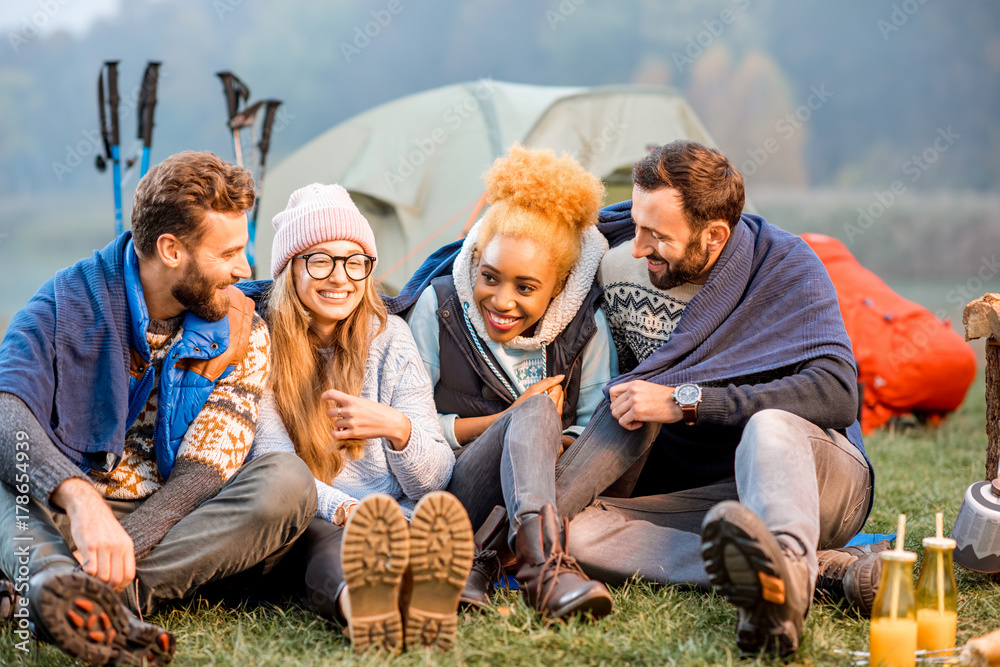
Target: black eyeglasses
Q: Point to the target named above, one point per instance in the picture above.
(321, 265)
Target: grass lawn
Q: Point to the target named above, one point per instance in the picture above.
(918, 472)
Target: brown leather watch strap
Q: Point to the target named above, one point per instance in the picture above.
(690, 414)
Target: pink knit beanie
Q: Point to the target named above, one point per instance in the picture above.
(314, 214)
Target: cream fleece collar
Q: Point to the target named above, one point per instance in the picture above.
(562, 308)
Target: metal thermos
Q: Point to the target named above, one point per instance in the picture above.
(977, 528)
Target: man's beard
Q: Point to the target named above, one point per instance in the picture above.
(690, 266)
(200, 296)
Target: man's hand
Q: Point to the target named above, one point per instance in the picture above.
(638, 402)
(104, 549)
(356, 417)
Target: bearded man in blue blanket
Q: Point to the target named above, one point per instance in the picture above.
(731, 343)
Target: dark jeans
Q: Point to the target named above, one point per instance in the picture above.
(261, 510)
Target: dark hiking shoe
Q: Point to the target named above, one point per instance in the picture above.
(374, 553)
(441, 553)
(851, 574)
(493, 555)
(82, 616)
(551, 581)
(768, 584)
(9, 601)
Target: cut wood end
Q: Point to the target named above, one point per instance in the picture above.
(982, 318)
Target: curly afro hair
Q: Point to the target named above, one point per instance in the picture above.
(535, 195)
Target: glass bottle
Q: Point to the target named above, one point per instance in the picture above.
(937, 596)
(893, 630)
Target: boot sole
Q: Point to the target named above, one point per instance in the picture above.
(83, 617)
(374, 555)
(441, 552)
(745, 564)
(861, 584)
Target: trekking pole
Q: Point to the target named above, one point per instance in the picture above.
(235, 90)
(109, 134)
(271, 107)
(147, 107)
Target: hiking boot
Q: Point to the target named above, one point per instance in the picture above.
(440, 558)
(768, 583)
(550, 579)
(491, 560)
(82, 616)
(851, 574)
(374, 553)
(9, 600)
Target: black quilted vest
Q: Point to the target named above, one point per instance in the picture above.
(468, 388)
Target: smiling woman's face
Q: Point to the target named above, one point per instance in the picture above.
(333, 299)
(515, 281)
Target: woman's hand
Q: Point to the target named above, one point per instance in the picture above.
(362, 419)
(549, 386)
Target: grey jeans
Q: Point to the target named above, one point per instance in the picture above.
(516, 462)
(257, 514)
(803, 481)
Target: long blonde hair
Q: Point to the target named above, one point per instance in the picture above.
(300, 371)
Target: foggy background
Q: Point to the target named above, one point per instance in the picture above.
(886, 80)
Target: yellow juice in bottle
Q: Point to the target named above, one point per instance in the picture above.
(893, 642)
(937, 597)
(893, 630)
(935, 630)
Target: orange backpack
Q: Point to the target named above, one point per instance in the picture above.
(908, 360)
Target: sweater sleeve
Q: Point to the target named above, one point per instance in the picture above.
(425, 464)
(595, 372)
(213, 449)
(424, 327)
(822, 391)
(42, 464)
(271, 436)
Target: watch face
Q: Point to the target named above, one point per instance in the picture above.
(687, 394)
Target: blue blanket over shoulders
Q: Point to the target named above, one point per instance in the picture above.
(52, 346)
(768, 304)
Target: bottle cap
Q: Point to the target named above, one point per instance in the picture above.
(943, 543)
(898, 556)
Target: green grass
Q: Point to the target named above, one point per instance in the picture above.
(919, 472)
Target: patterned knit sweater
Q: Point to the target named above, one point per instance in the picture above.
(394, 376)
(219, 438)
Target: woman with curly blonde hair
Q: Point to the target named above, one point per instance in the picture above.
(518, 353)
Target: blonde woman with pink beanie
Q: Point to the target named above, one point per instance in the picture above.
(349, 394)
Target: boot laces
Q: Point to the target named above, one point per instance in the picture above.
(488, 563)
(555, 565)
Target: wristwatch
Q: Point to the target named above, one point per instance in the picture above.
(688, 396)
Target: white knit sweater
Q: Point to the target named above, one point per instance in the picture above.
(394, 376)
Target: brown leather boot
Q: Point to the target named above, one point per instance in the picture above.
(550, 579)
(492, 557)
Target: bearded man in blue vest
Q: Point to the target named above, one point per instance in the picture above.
(733, 352)
(129, 387)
